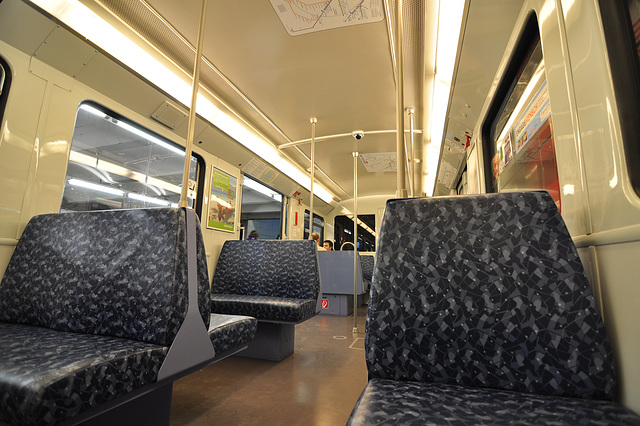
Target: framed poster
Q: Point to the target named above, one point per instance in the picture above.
(222, 204)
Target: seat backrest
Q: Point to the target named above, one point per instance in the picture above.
(275, 268)
(366, 263)
(487, 291)
(120, 273)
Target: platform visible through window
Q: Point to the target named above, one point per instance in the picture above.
(116, 164)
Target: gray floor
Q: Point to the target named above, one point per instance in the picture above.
(317, 385)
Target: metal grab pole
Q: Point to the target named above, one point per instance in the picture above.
(313, 121)
(355, 237)
(192, 110)
(409, 150)
(401, 190)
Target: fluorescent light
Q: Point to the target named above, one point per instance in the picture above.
(106, 166)
(94, 111)
(132, 129)
(523, 99)
(88, 24)
(146, 199)
(148, 137)
(95, 187)
(250, 183)
(449, 23)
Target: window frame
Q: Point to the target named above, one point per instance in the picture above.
(625, 75)
(200, 169)
(5, 85)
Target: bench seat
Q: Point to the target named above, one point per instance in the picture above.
(57, 375)
(265, 308)
(101, 311)
(386, 401)
(230, 333)
(277, 282)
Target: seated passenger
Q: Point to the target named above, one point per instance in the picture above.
(253, 235)
(328, 245)
(315, 237)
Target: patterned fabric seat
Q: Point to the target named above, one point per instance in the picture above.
(480, 312)
(366, 263)
(267, 279)
(228, 333)
(51, 376)
(91, 305)
(266, 308)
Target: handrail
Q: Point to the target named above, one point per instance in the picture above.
(8, 241)
(626, 234)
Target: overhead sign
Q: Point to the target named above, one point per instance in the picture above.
(300, 17)
(261, 171)
(380, 161)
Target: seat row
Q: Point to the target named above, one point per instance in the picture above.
(100, 312)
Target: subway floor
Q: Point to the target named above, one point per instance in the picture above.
(317, 385)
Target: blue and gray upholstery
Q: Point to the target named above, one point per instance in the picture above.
(230, 332)
(90, 307)
(480, 312)
(366, 263)
(270, 280)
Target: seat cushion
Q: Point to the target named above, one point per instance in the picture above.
(229, 332)
(49, 376)
(394, 402)
(264, 307)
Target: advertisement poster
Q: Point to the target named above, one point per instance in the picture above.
(222, 205)
(535, 115)
(505, 153)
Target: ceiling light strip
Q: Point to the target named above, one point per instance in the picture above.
(450, 16)
(88, 24)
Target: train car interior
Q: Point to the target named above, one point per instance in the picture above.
(477, 160)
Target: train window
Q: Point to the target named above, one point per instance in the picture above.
(318, 225)
(520, 139)
(261, 209)
(5, 80)
(343, 232)
(621, 24)
(115, 164)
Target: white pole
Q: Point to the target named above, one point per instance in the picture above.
(355, 237)
(313, 121)
(409, 150)
(192, 110)
(401, 190)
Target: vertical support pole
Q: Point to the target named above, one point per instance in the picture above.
(355, 237)
(401, 190)
(313, 121)
(192, 110)
(409, 151)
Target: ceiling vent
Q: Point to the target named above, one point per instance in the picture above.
(169, 115)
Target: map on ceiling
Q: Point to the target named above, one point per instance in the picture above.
(307, 16)
(380, 161)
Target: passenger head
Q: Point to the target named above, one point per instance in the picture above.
(253, 235)
(316, 238)
(328, 245)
